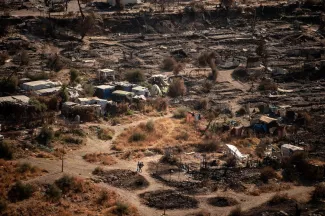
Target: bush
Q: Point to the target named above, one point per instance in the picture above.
(319, 192)
(150, 126)
(104, 134)
(240, 73)
(3, 58)
(180, 113)
(267, 173)
(64, 94)
(40, 107)
(267, 85)
(161, 104)
(74, 74)
(55, 62)
(137, 137)
(24, 58)
(183, 136)
(53, 192)
(3, 205)
(10, 85)
(25, 167)
(169, 63)
(207, 86)
(176, 88)
(241, 111)
(98, 170)
(202, 104)
(136, 76)
(208, 146)
(72, 140)
(121, 209)
(168, 159)
(278, 199)
(65, 183)
(37, 76)
(6, 152)
(89, 90)
(236, 211)
(205, 58)
(46, 135)
(20, 192)
(103, 197)
(178, 68)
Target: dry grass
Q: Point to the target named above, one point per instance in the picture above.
(166, 133)
(102, 158)
(84, 198)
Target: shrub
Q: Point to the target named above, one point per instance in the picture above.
(72, 140)
(241, 111)
(98, 170)
(6, 151)
(240, 73)
(137, 137)
(25, 167)
(202, 104)
(236, 211)
(46, 135)
(183, 136)
(178, 68)
(121, 209)
(3, 205)
(55, 62)
(103, 197)
(24, 58)
(104, 134)
(37, 76)
(20, 192)
(267, 85)
(208, 146)
(53, 192)
(9, 85)
(168, 159)
(40, 107)
(74, 74)
(207, 86)
(65, 183)
(115, 121)
(150, 126)
(161, 104)
(169, 63)
(89, 90)
(278, 199)
(319, 192)
(135, 76)
(205, 58)
(3, 58)
(176, 88)
(64, 94)
(267, 173)
(180, 113)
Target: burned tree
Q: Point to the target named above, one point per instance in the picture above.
(91, 22)
(262, 52)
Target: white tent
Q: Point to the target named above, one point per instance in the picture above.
(233, 150)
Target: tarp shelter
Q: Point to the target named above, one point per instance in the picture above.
(104, 74)
(39, 84)
(122, 96)
(104, 91)
(124, 86)
(94, 100)
(267, 120)
(17, 99)
(48, 91)
(287, 150)
(233, 150)
(140, 90)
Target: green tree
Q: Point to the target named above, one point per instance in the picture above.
(64, 94)
(74, 75)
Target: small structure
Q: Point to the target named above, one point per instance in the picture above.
(124, 86)
(15, 99)
(94, 100)
(48, 91)
(287, 150)
(124, 2)
(122, 96)
(140, 90)
(38, 85)
(104, 91)
(233, 151)
(105, 74)
(268, 121)
(86, 112)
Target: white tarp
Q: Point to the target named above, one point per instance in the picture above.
(235, 152)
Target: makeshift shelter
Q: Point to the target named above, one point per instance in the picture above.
(105, 74)
(233, 151)
(287, 150)
(140, 90)
(48, 91)
(122, 96)
(38, 85)
(104, 91)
